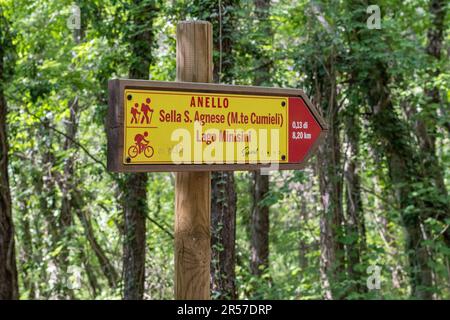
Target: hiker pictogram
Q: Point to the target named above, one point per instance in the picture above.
(141, 146)
(135, 112)
(146, 111)
(142, 115)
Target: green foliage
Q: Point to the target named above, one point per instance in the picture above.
(45, 69)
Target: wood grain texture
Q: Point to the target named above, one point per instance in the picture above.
(192, 235)
(193, 189)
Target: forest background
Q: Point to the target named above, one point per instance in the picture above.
(372, 204)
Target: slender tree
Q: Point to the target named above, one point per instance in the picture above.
(259, 242)
(330, 181)
(403, 171)
(223, 194)
(355, 225)
(223, 17)
(73, 202)
(395, 143)
(323, 72)
(426, 126)
(354, 221)
(45, 184)
(67, 182)
(141, 41)
(8, 271)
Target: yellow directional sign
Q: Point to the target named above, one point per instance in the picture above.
(176, 126)
(193, 127)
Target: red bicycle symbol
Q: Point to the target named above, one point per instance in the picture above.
(134, 150)
(140, 147)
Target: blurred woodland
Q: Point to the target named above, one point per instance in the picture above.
(374, 198)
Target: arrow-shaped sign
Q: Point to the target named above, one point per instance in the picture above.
(173, 126)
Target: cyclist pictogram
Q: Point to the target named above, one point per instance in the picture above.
(141, 146)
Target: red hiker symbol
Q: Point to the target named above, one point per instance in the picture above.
(135, 112)
(141, 145)
(145, 109)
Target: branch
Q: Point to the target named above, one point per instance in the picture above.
(159, 226)
(105, 264)
(320, 17)
(97, 161)
(67, 137)
(372, 192)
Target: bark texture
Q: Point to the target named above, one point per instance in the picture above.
(223, 193)
(259, 228)
(8, 270)
(141, 41)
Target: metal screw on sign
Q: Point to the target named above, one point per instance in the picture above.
(129, 97)
(283, 103)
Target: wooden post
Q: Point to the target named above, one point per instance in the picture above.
(193, 189)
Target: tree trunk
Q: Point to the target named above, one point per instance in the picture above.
(394, 141)
(223, 223)
(141, 41)
(331, 219)
(305, 196)
(67, 184)
(403, 164)
(260, 212)
(426, 124)
(404, 173)
(332, 256)
(355, 226)
(47, 194)
(259, 225)
(26, 255)
(90, 273)
(65, 221)
(106, 266)
(223, 193)
(8, 271)
(135, 208)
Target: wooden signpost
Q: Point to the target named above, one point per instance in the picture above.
(193, 127)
